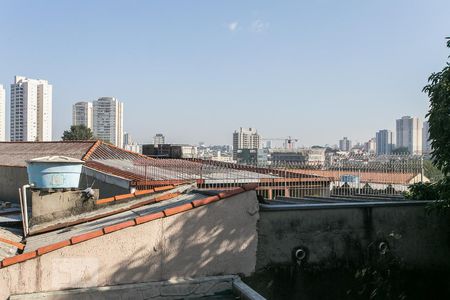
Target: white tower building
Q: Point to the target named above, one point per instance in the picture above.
(409, 134)
(108, 120)
(31, 110)
(2, 114)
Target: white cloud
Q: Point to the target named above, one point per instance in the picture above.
(233, 26)
(259, 26)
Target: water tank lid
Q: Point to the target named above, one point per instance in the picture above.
(55, 159)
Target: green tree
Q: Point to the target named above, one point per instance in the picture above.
(438, 90)
(431, 171)
(78, 133)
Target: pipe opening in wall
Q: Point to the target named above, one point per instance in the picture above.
(383, 247)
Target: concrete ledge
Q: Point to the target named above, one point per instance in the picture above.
(308, 206)
(182, 288)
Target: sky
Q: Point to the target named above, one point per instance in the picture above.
(198, 70)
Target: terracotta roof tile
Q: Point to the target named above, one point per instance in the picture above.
(86, 236)
(115, 227)
(18, 258)
(53, 247)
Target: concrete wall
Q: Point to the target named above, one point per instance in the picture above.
(216, 239)
(210, 287)
(11, 179)
(333, 236)
(51, 206)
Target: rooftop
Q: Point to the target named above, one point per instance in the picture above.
(120, 212)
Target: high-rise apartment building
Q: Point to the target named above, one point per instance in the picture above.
(108, 120)
(384, 142)
(345, 144)
(245, 139)
(31, 110)
(409, 134)
(426, 143)
(82, 114)
(2, 114)
(127, 140)
(159, 139)
(371, 146)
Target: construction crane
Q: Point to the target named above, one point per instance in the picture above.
(288, 142)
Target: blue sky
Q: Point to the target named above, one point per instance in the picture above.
(198, 70)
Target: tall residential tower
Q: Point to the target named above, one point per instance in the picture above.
(409, 134)
(108, 120)
(385, 142)
(82, 114)
(31, 110)
(345, 144)
(245, 139)
(2, 114)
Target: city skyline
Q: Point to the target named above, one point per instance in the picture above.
(82, 114)
(256, 64)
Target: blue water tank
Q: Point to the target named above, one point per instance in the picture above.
(54, 172)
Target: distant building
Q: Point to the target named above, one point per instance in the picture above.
(108, 120)
(409, 134)
(247, 156)
(82, 114)
(2, 114)
(345, 144)
(245, 139)
(315, 156)
(31, 110)
(170, 151)
(371, 146)
(159, 139)
(134, 147)
(384, 142)
(288, 156)
(127, 139)
(426, 143)
(304, 156)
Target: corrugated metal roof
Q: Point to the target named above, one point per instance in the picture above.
(17, 153)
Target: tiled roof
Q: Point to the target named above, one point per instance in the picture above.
(17, 153)
(45, 243)
(133, 166)
(105, 151)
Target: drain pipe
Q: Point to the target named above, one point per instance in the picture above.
(25, 208)
(21, 210)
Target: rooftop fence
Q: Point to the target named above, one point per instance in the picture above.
(355, 175)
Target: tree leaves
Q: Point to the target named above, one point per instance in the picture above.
(78, 133)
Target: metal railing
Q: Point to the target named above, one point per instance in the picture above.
(353, 175)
